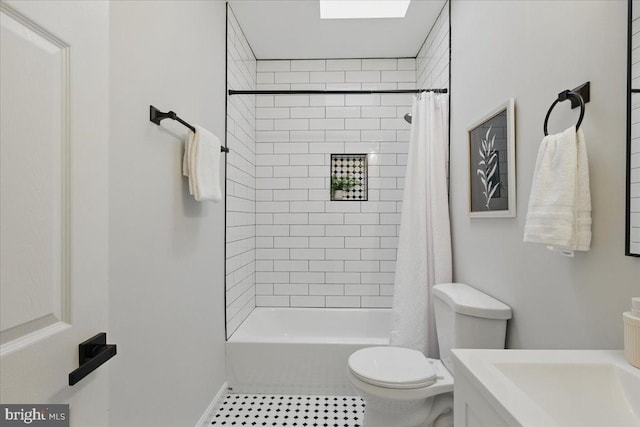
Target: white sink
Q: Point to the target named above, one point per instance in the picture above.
(554, 387)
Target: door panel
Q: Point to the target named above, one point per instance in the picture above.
(33, 156)
(54, 201)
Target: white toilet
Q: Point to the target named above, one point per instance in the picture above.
(403, 388)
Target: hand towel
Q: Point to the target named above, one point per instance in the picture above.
(583, 194)
(186, 160)
(201, 163)
(559, 213)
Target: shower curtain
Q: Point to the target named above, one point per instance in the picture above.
(424, 247)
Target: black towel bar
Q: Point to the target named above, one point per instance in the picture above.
(156, 116)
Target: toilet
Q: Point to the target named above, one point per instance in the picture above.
(403, 388)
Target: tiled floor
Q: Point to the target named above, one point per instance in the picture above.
(289, 411)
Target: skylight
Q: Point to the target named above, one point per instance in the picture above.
(356, 9)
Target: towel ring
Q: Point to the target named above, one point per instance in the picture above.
(563, 96)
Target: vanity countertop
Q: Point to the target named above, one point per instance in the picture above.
(554, 387)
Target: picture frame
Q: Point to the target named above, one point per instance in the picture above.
(492, 164)
(632, 212)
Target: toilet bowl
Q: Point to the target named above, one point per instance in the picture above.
(403, 388)
(400, 387)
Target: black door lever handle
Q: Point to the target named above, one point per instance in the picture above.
(91, 354)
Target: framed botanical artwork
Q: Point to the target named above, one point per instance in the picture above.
(492, 164)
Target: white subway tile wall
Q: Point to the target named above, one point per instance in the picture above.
(241, 181)
(288, 244)
(434, 56)
(433, 59)
(311, 251)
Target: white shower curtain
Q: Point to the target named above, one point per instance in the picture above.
(424, 247)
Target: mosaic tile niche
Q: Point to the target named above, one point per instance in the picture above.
(350, 166)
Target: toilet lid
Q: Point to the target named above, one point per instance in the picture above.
(392, 367)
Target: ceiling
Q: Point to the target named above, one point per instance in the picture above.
(292, 29)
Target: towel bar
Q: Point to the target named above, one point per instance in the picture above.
(156, 116)
(578, 97)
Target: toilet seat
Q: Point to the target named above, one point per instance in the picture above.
(392, 367)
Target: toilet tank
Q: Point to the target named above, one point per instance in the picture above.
(467, 318)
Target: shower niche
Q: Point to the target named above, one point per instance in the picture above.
(349, 177)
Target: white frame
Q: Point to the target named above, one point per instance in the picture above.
(510, 212)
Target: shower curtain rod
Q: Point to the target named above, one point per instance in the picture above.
(330, 92)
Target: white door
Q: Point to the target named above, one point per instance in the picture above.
(53, 201)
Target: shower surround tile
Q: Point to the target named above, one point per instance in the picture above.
(301, 134)
(350, 248)
(241, 181)
(289, 411)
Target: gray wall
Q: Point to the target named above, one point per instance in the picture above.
(531, 51)
(166, 249)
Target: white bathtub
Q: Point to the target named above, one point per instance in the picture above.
(301, 350)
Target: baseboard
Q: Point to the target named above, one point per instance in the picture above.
(217, 399)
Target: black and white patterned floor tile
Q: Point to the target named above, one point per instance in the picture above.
(289, 411)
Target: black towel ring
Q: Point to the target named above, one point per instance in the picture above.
(563, 96)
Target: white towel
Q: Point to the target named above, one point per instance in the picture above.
(559, 213)
(186, 159)
(583, 211)
(201, 163)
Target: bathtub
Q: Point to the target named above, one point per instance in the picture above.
(301, 350)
